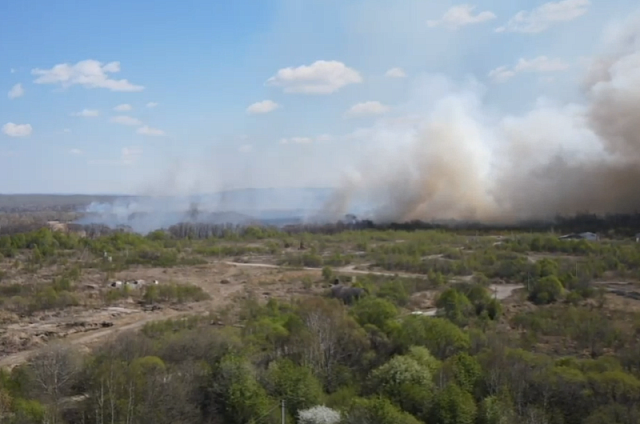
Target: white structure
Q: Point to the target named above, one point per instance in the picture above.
(581, 236)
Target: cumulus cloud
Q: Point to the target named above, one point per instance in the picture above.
(321, 77)
(126, 120)
(86, 73)
(66, 130)
(245, 148)
(128, 156)
(543, 17)
(87, 113)
(540, 64)
(17, 130)
(146, 130)
(366, 109)
(16, 91)
(461, 15)
(296, 140)
(75, 152)
(264, 106)
(13, 71)
(395, 73)
(152, 104)
(123, 108)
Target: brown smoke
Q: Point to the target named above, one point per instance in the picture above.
(459, 164)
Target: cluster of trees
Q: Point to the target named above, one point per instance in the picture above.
(363, 364)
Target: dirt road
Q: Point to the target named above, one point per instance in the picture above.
(349, 269)
(132, 321)
(500, 291)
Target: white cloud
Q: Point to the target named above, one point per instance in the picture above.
(66, 130)
(501, 74)
(264, 106)
(324, 138)
(366, 109)
(75, 152)
(321, 77)
(128, 156)
(541, 18)
(146, 130)
(123, 108)
(16, 91)
(87, 113)
(540, 64)
(152, 104)
(296, 140)
(245, 148)
(396, 73)
(13, 71)
(126, 120)
(461, 15)
(87, 73)
(17, 130)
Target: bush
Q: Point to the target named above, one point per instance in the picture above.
(174, 293)
(546, 290)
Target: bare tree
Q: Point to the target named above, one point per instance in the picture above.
(54, 369)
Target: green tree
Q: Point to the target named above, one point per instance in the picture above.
(405, 382)
(546, 290)
(374, 311)
(495, 410)
(466, 371)
(234, 387)
(456, 306)
(439, 335)
(377, 410)
(453, 405)
(295, 384)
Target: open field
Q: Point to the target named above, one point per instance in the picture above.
(263, 296)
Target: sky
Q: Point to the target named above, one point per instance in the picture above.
(151, 97)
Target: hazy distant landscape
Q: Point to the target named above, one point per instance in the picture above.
(269, 206)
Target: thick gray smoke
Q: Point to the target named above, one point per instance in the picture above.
(457, 161)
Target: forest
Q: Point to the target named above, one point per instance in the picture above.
(559, 351)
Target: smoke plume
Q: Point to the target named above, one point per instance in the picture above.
(458, 161)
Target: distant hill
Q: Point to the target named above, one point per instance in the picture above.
(250, 199)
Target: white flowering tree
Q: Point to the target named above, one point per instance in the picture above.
(319, 414)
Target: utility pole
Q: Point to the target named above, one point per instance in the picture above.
(283, 414)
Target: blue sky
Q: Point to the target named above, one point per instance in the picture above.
(223, 94)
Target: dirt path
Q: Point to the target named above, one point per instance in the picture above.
(348, 269)
(500, 291)
(132, 321)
